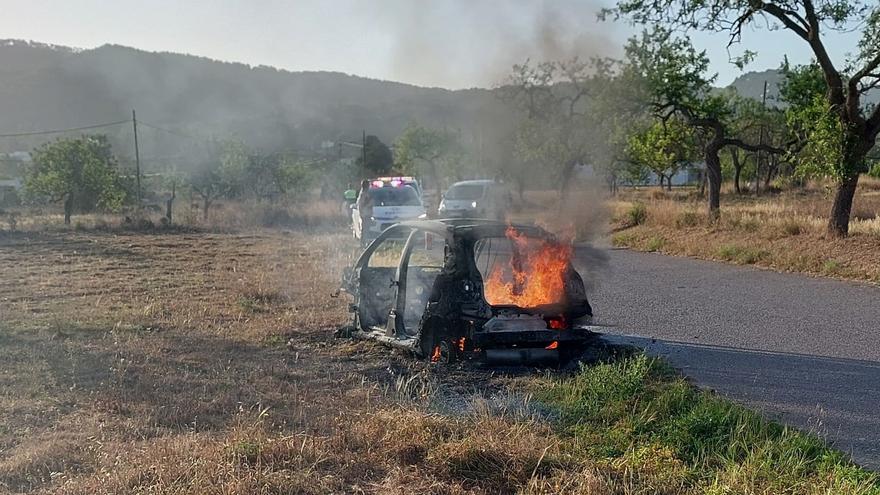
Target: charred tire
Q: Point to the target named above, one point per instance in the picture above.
(434, 342)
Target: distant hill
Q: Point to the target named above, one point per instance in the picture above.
(751, 85)
(51, 87)
(195, 99)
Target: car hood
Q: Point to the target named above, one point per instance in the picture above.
(459, 204)
(397, 212)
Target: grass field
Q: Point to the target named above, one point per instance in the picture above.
(192, 362)
(784, 231)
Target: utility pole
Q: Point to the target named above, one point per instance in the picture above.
(137, 157)
(761, 142)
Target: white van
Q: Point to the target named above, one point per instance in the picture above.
(476, 199)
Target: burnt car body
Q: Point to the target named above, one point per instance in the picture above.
(420, 286)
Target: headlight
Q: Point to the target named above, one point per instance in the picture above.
(473, 204)
(423, 216)
(373, 218)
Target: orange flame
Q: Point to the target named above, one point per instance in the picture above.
(461, 344)
(553, 345)
(536, 273)
(556, 323)
(435, 357)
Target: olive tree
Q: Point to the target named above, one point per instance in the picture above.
(664, 148)
(559, 131)
(436, 152)
(851, 128)
(83, 172)
(676, 85)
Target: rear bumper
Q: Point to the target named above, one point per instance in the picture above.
(531, 338)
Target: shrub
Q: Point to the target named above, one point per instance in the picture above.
(792, 227)
(746, 224)
(832, 267)
(622, 240)
(655, 244)
(687, 219)
(659, 194)
(636, 215)
(740, 254)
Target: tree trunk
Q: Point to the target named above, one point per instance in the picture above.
(567, 173)
(669, 183)
(713, 174)
(737, 168)
(838, 223)
(207, 204)
(660, 180)
(68, 208)
(703, 179)
(170, 203)
(772, 170)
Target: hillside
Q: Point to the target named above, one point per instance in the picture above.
(50, 87)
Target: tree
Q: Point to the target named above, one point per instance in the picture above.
(755, 123)
(558, 131)
(673, 74)
(81, 171)
(858, 124)
(664, 148)
(245, 172)
(379, 159)
(436, 152)
(209, 184)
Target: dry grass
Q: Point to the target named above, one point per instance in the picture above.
(785, 231)
(223, 216)
(190, 362)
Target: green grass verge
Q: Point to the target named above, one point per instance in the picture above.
(640, 419)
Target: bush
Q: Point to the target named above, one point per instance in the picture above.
(636, 215)
(875, 171)
(792, 227)
(832, 267)
(741, 254)
(622, 240)
(655, 244)
(687, 219)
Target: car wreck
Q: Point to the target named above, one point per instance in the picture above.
(450, 289)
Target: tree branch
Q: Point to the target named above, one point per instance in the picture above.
(739, 143)
(781, 14)
(811, 36)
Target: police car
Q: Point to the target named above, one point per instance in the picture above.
(395, 199)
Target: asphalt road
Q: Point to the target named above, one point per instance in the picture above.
(801, 350)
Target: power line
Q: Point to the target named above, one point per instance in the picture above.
(59, 131)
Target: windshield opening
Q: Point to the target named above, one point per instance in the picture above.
(468, 192)
(522, 271)
(395, 196)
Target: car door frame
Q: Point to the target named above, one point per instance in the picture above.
(363, 261)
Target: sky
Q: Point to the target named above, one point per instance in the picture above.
(445, 43)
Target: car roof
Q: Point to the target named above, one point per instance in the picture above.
(473, 227)
(477, 182)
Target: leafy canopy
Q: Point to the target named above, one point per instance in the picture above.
(379, 159)
(664, 147)
(83, 169)
(423, 150)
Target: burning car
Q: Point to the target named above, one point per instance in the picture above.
(446, 289)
